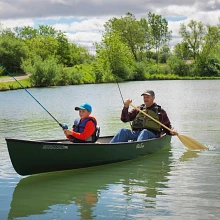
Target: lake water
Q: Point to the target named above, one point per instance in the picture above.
(173, 183)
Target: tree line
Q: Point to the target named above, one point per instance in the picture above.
(130, 49)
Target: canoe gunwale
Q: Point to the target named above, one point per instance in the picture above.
(67, 142)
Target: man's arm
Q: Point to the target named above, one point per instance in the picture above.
(165, 120)
(127, 116)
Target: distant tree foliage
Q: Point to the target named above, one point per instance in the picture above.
(12, 51)
(192, 35)
(130, 49)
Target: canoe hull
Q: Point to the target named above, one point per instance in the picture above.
(32, 157)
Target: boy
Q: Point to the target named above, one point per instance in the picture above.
(84, 128)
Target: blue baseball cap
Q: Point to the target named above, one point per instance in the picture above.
(84, 106)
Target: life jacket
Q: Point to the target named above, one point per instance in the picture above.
(141, 121)
(79, 127)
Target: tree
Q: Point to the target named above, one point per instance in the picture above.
(207, 62)
(192, 35)
(26, 32)
(164, 54)
(12, 51)
(211, 40)
(148, 39)
(43, 46)
(159, 32)
(114, 55)
(80, 55)
(46, 41)
(130, 32)
(182, 51)
(63, 51)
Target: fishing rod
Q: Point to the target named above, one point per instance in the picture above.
(63, 126)
(123, 100)
(115, 76)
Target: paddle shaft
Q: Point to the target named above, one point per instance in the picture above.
(33, 97)
(151, 117)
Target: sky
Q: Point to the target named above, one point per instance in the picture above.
(83, 20)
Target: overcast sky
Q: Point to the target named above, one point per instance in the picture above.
(83, 20)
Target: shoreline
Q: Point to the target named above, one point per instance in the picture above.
(10, 79)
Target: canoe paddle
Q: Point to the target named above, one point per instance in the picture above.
(63, 126)
(187, 141)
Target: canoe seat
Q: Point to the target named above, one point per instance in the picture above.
(97, 133)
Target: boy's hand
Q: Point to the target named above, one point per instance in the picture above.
(67, 132)
(64, 126)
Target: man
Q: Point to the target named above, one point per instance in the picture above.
(143, 127)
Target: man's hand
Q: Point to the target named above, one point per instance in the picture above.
(127, 103)
(174, 132)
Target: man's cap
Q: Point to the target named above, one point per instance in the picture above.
(84, 106)
(148, 92)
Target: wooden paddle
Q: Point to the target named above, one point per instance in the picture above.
(187, 141)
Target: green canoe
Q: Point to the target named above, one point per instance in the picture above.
(32, 157)
(36, 195)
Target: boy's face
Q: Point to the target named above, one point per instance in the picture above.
(84, 113)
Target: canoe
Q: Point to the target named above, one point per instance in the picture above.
(71, 188)
(40, 156)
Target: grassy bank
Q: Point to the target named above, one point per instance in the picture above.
(13, 85)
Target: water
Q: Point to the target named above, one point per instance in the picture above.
(173, 183)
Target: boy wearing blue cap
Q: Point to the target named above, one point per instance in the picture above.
(84, 128)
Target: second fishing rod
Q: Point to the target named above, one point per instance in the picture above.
(63, 126)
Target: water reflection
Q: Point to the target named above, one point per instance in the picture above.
(188, 154)
(134, 182)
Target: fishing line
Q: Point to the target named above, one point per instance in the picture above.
(120, 91)
(123, 101)
(32, 96)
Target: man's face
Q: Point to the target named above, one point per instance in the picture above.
(148, 100)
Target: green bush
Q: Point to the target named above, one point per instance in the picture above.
(209, 66)
(98, 72)
(43, 72)
(152, 69)
(81, 74)
(4, 87)
(63, 78)
(178, 66)
(77, 77)
(139, 70)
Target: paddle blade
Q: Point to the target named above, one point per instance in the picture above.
(191, 143)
